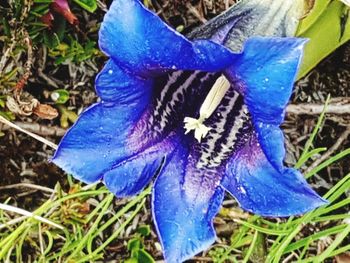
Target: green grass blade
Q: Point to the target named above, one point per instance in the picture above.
(308, 155)
(328, 162)
(327, 253)
(314, 133)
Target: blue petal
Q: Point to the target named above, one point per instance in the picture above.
(266, 72)
(184, 206)
(111, 139)
(89, 147)
(261, 189)
(267, 69)
(271, 139)
(95, 142)
(132, 175)
(141, 42)
(115, 84)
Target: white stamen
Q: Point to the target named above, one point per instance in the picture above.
(211, 102)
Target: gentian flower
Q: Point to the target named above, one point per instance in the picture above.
(205, 119)
(60, 7)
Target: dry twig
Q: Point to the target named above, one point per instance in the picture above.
(330, 151)
(338, 107)
(36, 128)
(35, 136)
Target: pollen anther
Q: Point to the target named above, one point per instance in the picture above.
(211, 102)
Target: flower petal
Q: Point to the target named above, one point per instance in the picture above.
(96, 142)
(251, 18)
(104, 134)
(266, 72)
(61, 7)
(185, 200)
(116, 84)
(267, 69)
(141, 42)
(261, 189)
(132, 175)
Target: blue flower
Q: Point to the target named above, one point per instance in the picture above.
(155, 80)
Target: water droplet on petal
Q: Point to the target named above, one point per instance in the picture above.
(242, 190)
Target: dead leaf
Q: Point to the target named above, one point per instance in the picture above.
(45, 111)
(21, 107)
(342, 258)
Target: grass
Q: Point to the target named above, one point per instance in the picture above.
(80, 226)
(75, 242)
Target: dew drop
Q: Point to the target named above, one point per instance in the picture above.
(55, 96)
(110, 72)
(242, 190)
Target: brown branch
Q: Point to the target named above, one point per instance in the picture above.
(330, 151)
(338, 108)
(42, 130)
(195, 12)
(27, 185)
(27, 66)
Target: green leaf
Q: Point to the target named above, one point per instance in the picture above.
(51, 40)
(328, 32)
(144, 230)
(318, 9)
(6, 27)
(134, 244)
(43, 1)
(7, 115)
(40, 10)
(131, 260)
(89, 5)
(60, 27)
(60, 96)
(144, 257)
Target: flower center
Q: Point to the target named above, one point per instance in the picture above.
(211, 102)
